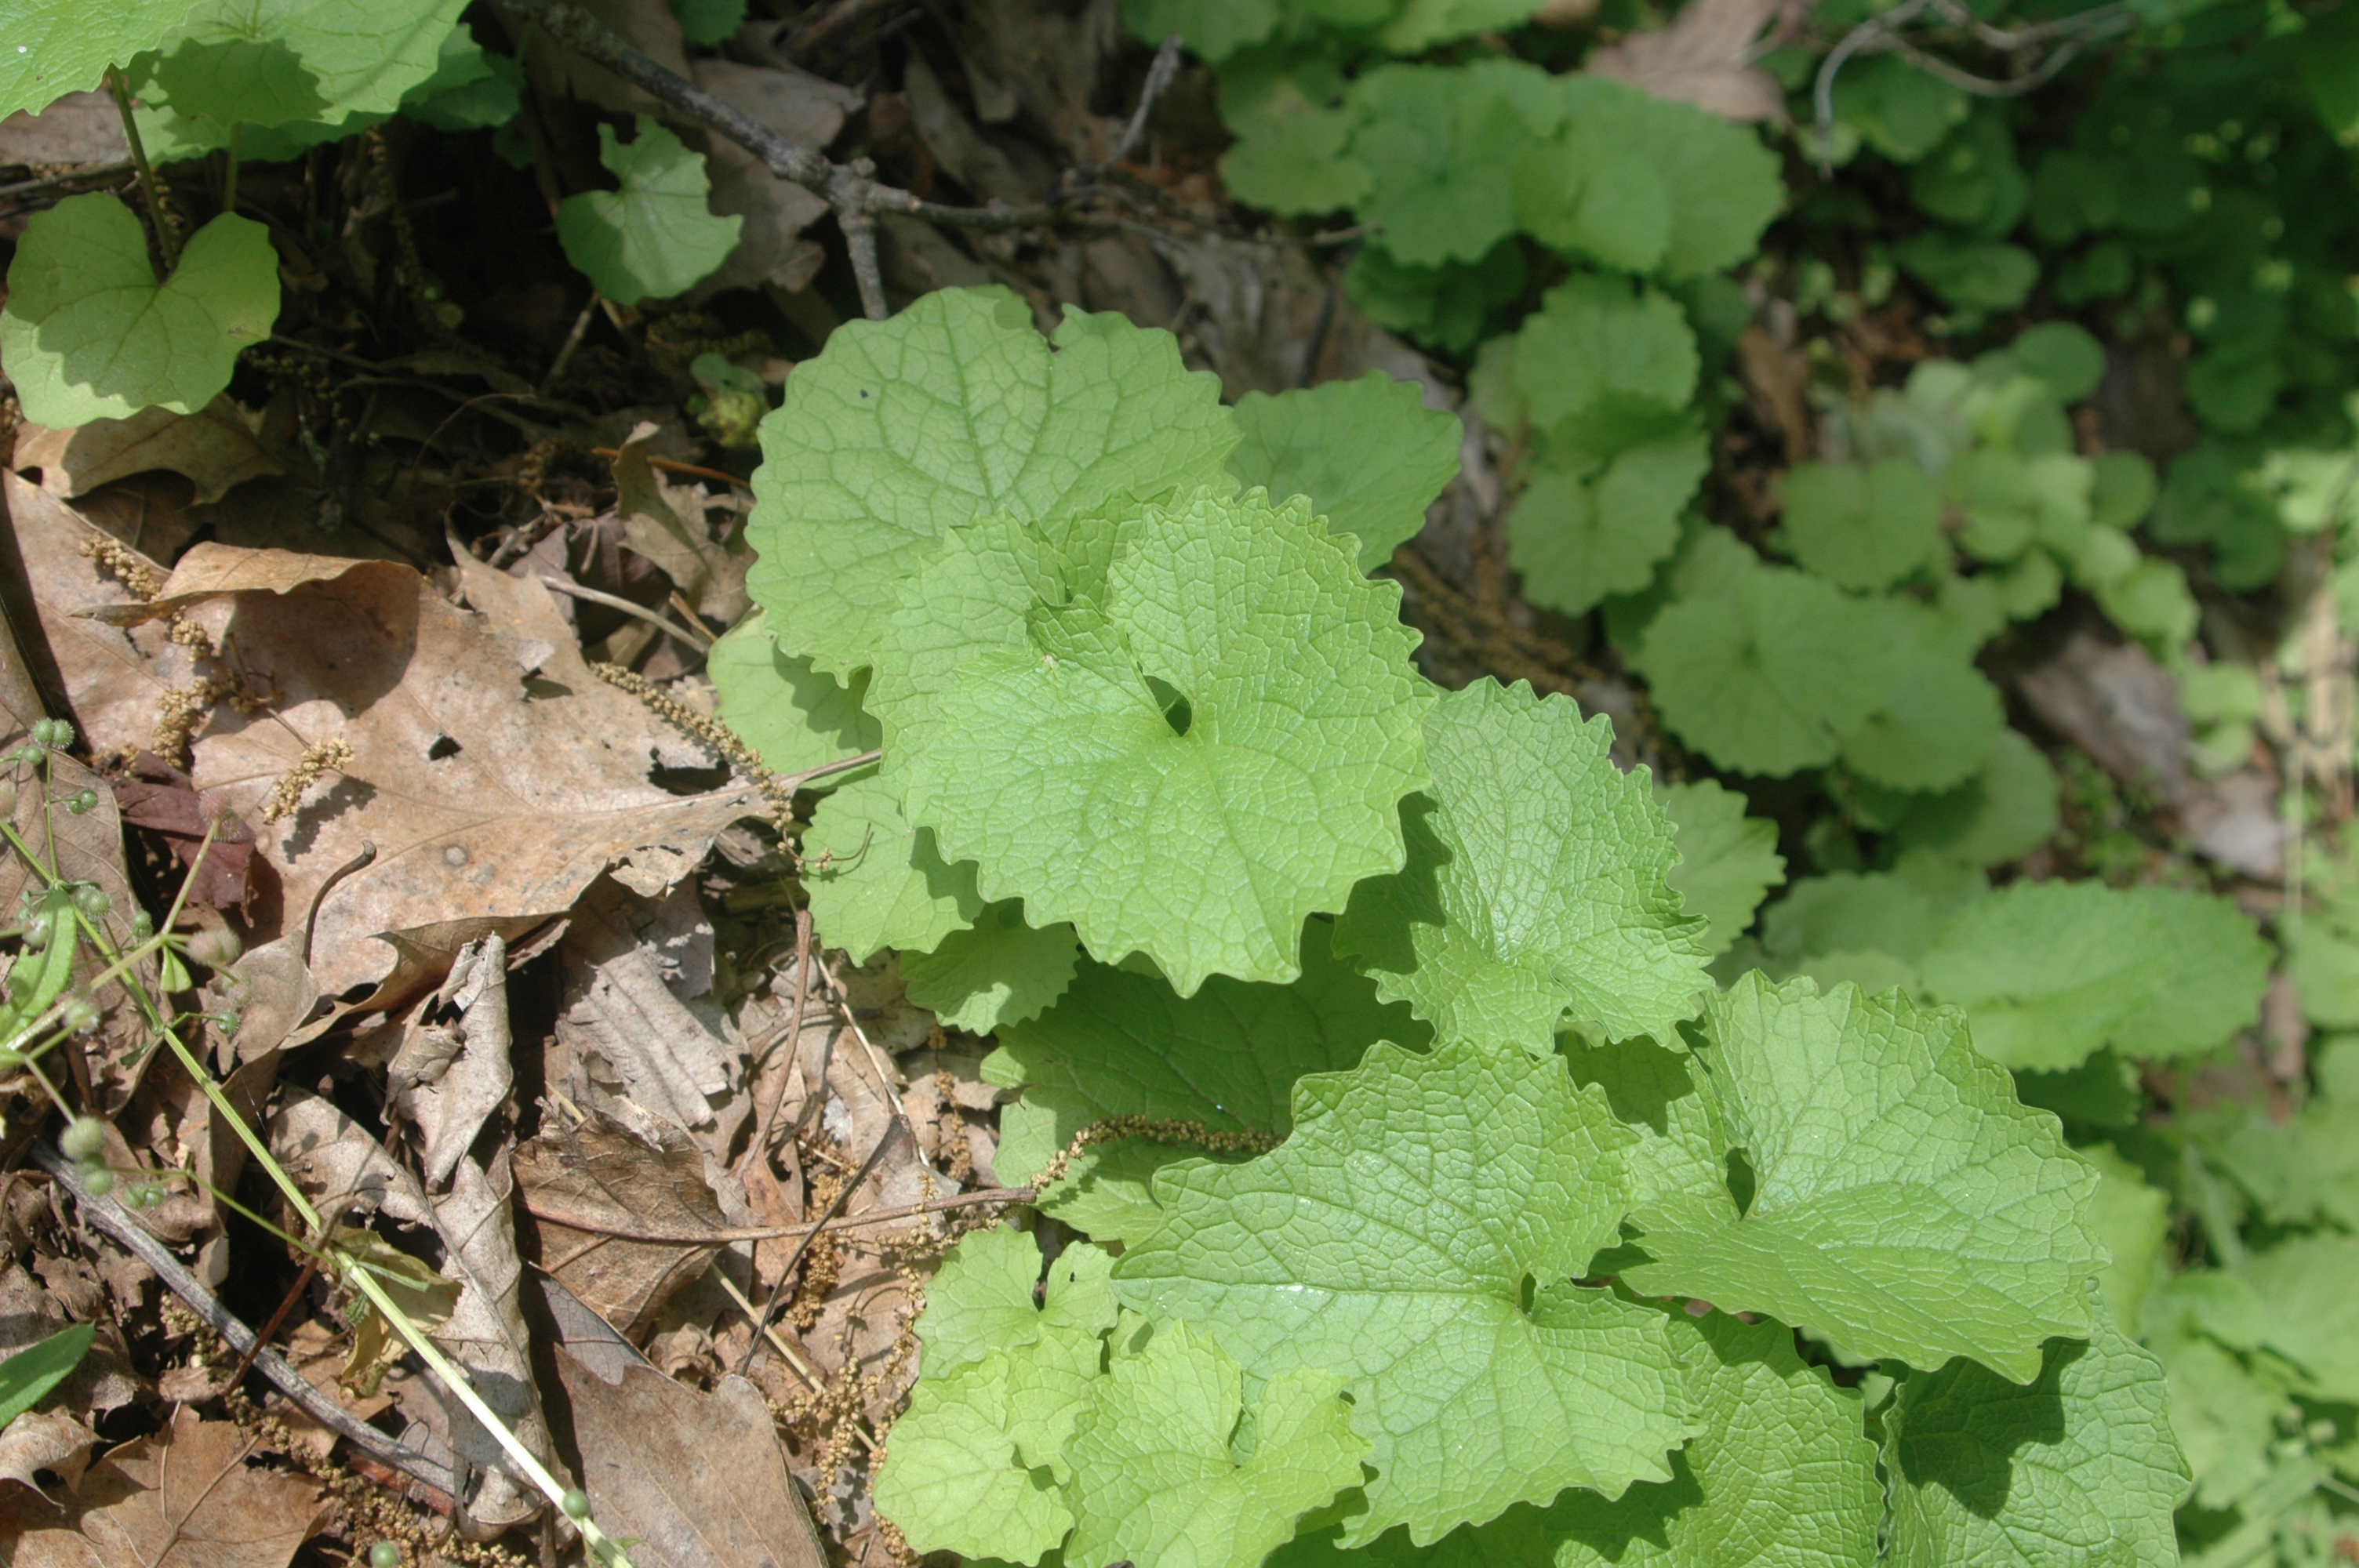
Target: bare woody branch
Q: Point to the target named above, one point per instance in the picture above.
(849, 188)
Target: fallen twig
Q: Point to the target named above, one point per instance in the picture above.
(113, 1218)
(849, 188)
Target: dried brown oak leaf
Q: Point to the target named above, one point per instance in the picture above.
(116, 676)
(1702, 59)
(699, 1478)
(617, 1216)
(495, 777)
(214, 448)
(154, 795)
(180, 1499)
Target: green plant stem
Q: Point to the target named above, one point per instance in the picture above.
(159, 202)
(229, 167)
(354, 1272)
(601, 1545)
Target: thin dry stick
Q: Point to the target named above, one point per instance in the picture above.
(810, 1375)
(111, 1217)
(673, 465)
(849, 189)
(770, 1307)
(1159, 77)
(804, 957)
(615, 601)
(71, 176)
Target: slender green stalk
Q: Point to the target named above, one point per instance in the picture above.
(354, 1272)
(229, 167)
(158, 200)
(601, 1545)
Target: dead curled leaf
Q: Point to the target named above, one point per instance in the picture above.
(665, 523)
(181, 1498)
(637, 977)
(800, 107)
(494, 777)
(44, 1440)
(118, 676)
(615, 1188)
(156, 796)
(214, 448)
(1702, 59)
(333, 1158)
(651, 1461)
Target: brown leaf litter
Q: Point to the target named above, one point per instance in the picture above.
(492, 775)
(185, 1497)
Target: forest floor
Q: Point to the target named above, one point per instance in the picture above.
(705, 1111)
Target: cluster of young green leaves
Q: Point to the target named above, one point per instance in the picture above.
(2206, 174)
(1456, 165)
(1941, 512)
(1163, 806)
(91, 332)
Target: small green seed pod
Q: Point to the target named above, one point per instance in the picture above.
(385, 1554)
(83, 1137)
(576, 1504)
(98, 1179)
(215, 948)
(79, 1015)
(92, 901)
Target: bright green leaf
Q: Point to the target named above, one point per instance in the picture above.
(2078, 1467)
(1587, 528)
(902, 430)
(2002, 813)
(1780, 1478)
(2311, 1290)
(1727, 861)
(1861, 525)
(953, 1481)
(1897, 912)
(88, 333)
(876, 882)
(1763, 676)
(2050, 971)
(793, 715)
(1904, 1204)
(56, 46)
(1370, 455)
(312, 64)
(1200, 823)
(976, 1460)
(980, 1300)
(1296, 164)
(1120, 1043)
(1646, 185)
(1535, 885)
(1157, 1476)
(997, 971)
(1441, 142)
(2133, 1220)
(1595, 344)
(655, 237)
(1394, 1240)
(1937, 717)
(33, 1371)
